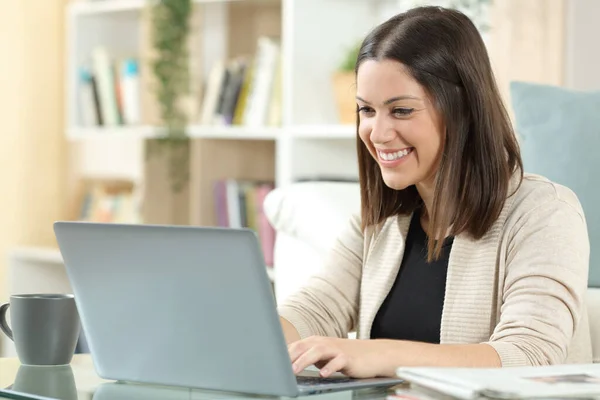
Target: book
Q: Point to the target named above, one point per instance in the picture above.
(105, 78)
(212, 92)
(545, 382)
(239, 204)
(245, 90)
(88, 99)
(260, 89)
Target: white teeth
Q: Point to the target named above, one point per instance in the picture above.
(394, 156)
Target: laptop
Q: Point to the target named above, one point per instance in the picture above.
(183, 306)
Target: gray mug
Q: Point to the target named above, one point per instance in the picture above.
(45, 327)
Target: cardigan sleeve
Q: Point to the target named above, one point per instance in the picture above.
(327, 304)
(547, 264)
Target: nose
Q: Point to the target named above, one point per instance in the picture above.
(382, 130)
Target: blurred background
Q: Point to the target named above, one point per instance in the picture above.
(191, 112)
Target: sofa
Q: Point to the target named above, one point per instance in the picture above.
(308, 216)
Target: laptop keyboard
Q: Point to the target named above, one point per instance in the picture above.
(317, 380)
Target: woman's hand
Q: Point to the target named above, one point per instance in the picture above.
(355, 358)
(381, 357)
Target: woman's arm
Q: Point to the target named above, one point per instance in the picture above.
(439, 355)
(289, 332)
(544, 287)
(546, 280)
(327, 305)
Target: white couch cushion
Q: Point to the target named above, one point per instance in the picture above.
(295, 261)
(313, 212)
(308, 217)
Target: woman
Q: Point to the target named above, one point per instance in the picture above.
(458, 258)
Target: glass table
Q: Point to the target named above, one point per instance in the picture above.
(79, 381)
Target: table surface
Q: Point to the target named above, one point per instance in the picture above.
(79, 381)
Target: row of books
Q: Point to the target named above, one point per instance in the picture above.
(109, 90)
(242, 91)
(245, 91)
(239, 204)
(109, 202)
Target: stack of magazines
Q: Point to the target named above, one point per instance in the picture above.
(551, 382)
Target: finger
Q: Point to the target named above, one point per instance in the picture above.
(336, 364)
(296, 349)
(312, 356)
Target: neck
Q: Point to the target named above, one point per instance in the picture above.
(425, 190)
(426, 193)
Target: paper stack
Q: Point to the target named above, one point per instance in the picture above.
(561, 381)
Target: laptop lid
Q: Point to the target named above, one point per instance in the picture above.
(177, 305)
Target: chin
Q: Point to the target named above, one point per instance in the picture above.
(396, 181)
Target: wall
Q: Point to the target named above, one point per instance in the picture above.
(582, 69)
(527, 42)
(32, 145)
(547, 41)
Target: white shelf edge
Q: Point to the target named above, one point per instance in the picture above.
(117, 132)
(46, 255)
(218, 132)
(89, 7)
(94, 7)
(193, 131)
(235, 132)
(323, 131)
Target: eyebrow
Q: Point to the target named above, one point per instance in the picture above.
(391, 100)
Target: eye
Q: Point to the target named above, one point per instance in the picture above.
(402, 112)
(365, 110)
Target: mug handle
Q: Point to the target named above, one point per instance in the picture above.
(3, 324)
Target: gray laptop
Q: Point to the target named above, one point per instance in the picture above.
(183, 306)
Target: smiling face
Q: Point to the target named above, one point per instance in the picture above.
(398, 124)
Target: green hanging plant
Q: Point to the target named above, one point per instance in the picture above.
(170, 26)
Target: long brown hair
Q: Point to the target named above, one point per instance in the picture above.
(444, 52)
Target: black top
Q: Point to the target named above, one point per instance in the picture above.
(412, 309)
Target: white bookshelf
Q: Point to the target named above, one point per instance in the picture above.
(310, 143)
(309, 57)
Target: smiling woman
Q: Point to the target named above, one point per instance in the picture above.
(443, 99)
(458, 257)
